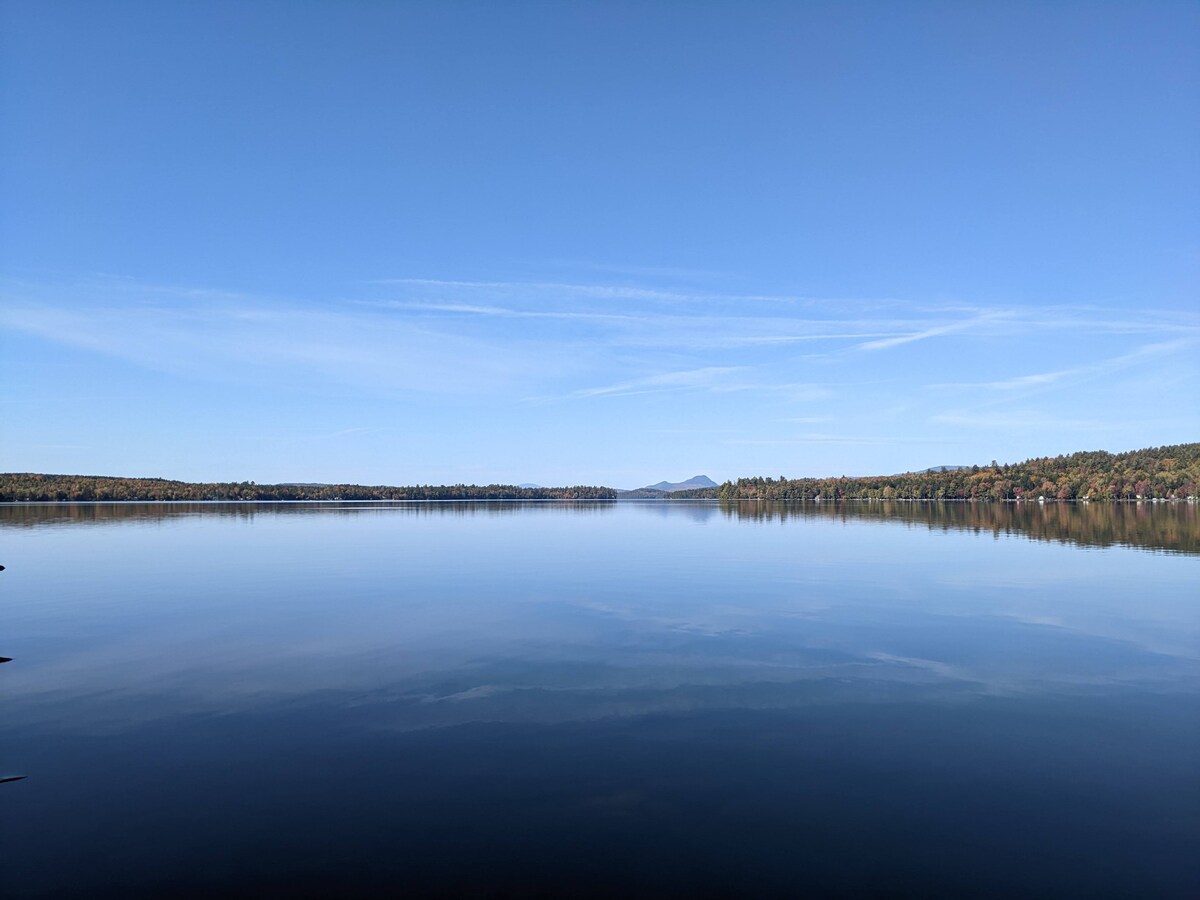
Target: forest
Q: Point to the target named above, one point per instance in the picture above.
(83, 488)
(1158, 473)
(1155, 473)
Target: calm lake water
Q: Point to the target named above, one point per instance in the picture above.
(633, 699)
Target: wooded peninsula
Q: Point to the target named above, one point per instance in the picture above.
(1156, 473)
(84, 488)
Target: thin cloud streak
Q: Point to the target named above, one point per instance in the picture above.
(602, 291)
(1023, 381)
(1091, 370)
(350, 432)
(1020, 419)
(937, 331)
(254, 344)
(999, 413)
(619, 291)
(743, 326)
(505, 312)
(657, 321)
(666, 381)
(798, 391)
(832, 439)
(665, 330)
(636, 270)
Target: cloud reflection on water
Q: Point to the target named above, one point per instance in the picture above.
(437, 614)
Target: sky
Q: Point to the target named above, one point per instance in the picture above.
(593, 243)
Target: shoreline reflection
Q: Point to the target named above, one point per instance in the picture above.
(1168, 527)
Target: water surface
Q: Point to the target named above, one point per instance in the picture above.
(660, 698)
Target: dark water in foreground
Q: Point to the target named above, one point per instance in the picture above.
(634, 699)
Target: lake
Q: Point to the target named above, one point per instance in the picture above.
(600, 699)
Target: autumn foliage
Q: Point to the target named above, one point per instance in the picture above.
(1159, 473)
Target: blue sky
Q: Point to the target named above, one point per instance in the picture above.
(593, 242)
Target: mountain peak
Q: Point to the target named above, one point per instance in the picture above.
(696, 481)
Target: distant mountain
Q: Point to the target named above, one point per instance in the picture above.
(944, 468)
(651, 491)
(696, 481)
(529, 484)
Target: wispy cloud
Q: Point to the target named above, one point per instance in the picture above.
(504, 312)
(639, 271)
(349, 432)
(601, 291)
(642, 328)
(554, 342)
(253, 341)
(1024, 381)
(832, 439)
(653, 317)
(925, 334)
(796, 391)
(613, 292)
(1029, 419)
(1009, 403)
(1099, 368)
(691, 379)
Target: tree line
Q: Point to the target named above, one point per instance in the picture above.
(1155, 473)
(83, 488)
